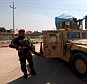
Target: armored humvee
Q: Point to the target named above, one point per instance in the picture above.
(68, 44)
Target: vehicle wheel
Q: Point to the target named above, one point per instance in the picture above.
(79, 64)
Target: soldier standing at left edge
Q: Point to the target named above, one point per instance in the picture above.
(24, 49)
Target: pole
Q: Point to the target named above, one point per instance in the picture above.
(41, 48)
(13, 7)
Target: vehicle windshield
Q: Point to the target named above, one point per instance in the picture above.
(73, 35)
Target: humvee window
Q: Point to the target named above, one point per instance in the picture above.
(53, 38)
(73, 35)
(84, 35)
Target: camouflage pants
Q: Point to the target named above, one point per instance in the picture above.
(27, 57)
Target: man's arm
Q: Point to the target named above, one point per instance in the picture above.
(13, 43)
(29, 46)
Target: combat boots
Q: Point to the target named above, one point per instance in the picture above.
(25, 75)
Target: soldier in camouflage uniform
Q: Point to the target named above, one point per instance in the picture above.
(24, 48)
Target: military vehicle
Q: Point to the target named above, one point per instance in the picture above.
(68, 42)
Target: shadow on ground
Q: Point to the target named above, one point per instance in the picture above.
(50, 71)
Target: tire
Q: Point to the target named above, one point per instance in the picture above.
(79, 64)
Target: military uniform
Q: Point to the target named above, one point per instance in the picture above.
(24, 48)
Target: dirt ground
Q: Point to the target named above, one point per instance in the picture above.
(49, 71)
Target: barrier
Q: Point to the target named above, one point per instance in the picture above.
(4, 45)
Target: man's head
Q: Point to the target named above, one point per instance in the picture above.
(21, 33)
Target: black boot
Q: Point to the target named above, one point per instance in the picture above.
(25, 75)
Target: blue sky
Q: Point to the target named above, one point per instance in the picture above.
(38, 15)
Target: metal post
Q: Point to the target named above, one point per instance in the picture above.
(13, 19)
(41, 48)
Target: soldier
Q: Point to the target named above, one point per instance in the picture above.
(24, 52)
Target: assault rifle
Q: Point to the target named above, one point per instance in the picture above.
(24, 43)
